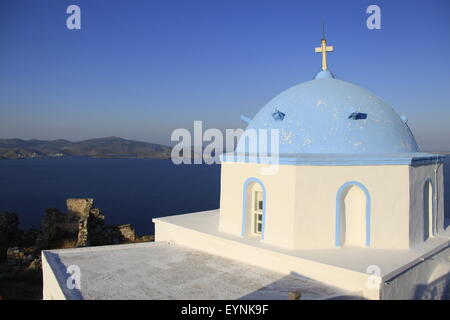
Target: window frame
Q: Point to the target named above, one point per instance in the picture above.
(257, 212)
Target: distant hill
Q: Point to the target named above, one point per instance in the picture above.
(110, 147)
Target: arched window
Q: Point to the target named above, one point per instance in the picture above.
(352, 215)
(254, 208)
(257, 204)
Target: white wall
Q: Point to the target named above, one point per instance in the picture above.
(301, 203)
(427, 280)
(280, 201)
(418, 176)
(51, 287)
(317, 189)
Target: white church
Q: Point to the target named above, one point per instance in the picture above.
(348, 204)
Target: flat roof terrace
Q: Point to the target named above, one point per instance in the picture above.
(391, 262)
(159, 270)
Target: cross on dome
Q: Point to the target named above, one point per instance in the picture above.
(324, 49)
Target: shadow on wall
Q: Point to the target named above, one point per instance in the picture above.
(447, 191)
(309, 289)
(62, 275)
(438, 289)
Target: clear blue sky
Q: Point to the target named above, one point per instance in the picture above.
(138, 69)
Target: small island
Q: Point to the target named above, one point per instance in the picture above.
(109, 147)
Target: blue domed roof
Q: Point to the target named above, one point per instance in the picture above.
(327, 115)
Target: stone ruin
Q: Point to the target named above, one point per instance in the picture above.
(82, 225)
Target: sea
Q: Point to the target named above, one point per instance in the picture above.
(126, 190)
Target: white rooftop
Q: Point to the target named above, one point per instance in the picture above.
(391, 262)
(159, 270)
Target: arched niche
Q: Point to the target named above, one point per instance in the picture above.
(352, 215)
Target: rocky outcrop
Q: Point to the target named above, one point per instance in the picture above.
(20, 250)
(83, 234)
(55, 227)
(92, 227)
(17, 256)
(17, 246)
(80, 207)
(9, 224)
(82, 225)
(125, 232)
(119, 234)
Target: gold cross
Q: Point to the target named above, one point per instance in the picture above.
(324, 49)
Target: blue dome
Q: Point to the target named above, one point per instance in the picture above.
(327, 115)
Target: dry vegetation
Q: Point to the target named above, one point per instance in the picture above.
(25, 284)
(20, 284)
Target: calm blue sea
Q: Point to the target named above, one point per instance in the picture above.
(127, 190)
